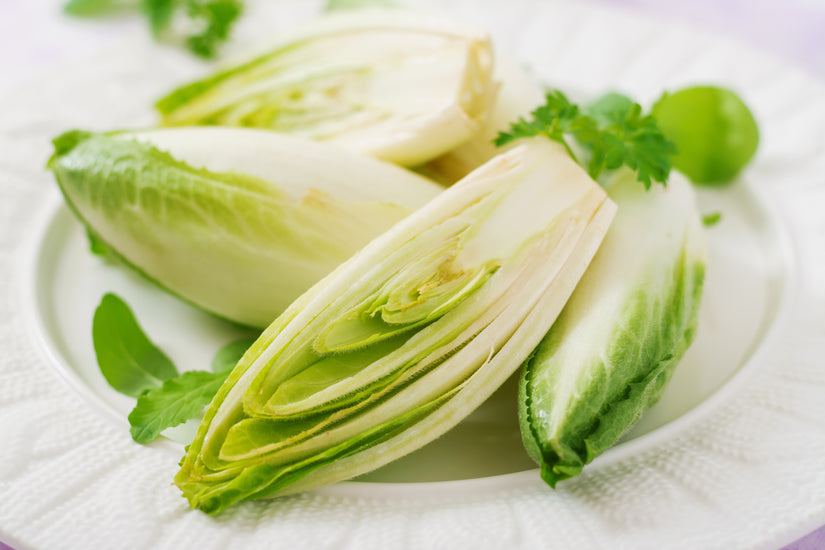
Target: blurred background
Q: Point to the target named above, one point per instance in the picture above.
(35, 35)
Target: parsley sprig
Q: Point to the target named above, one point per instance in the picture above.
(212, 19)
(612, 132)
(216, 18)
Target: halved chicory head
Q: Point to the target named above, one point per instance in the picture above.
(238, 222)
(394, 85)
(614, 347)
(407, 337)
(519, 93)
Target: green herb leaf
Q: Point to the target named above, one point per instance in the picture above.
(129, 361)
(176, 401)
(553, 120)
(613, 130)
(709, 220)
(159, 13)
(713, 129)
(606, 108)
(230, 354)
(89, 8)
(624, 136)
(216, 17)
(96, 244)
(212, 18)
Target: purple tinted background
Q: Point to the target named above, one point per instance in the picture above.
(792, 29)
(814, 541)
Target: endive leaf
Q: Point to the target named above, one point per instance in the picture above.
(404, 339)
(616, 344)
(393, 85)
(237, 222)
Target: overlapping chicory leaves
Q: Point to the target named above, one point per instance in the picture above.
(390, 84)
(407, 337)
(384, 365)
(267, 217)
(628, 323)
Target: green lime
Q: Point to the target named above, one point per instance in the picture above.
(714, 131)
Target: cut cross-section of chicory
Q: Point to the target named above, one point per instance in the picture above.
(394, 85)
(407, 337)
(629, 322)
(238, 222)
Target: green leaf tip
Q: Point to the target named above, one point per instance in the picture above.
(709, 220)
(128, 360)
(66, 142)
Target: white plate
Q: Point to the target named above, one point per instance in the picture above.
(733, 456)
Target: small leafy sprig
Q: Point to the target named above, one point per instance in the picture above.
(133, 365)
(612, 130)
(213, 19)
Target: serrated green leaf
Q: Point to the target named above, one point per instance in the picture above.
(128, 360)
(612, 130)
(176, 401)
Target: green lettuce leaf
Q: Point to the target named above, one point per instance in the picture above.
(236, 222)
(627, 325)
